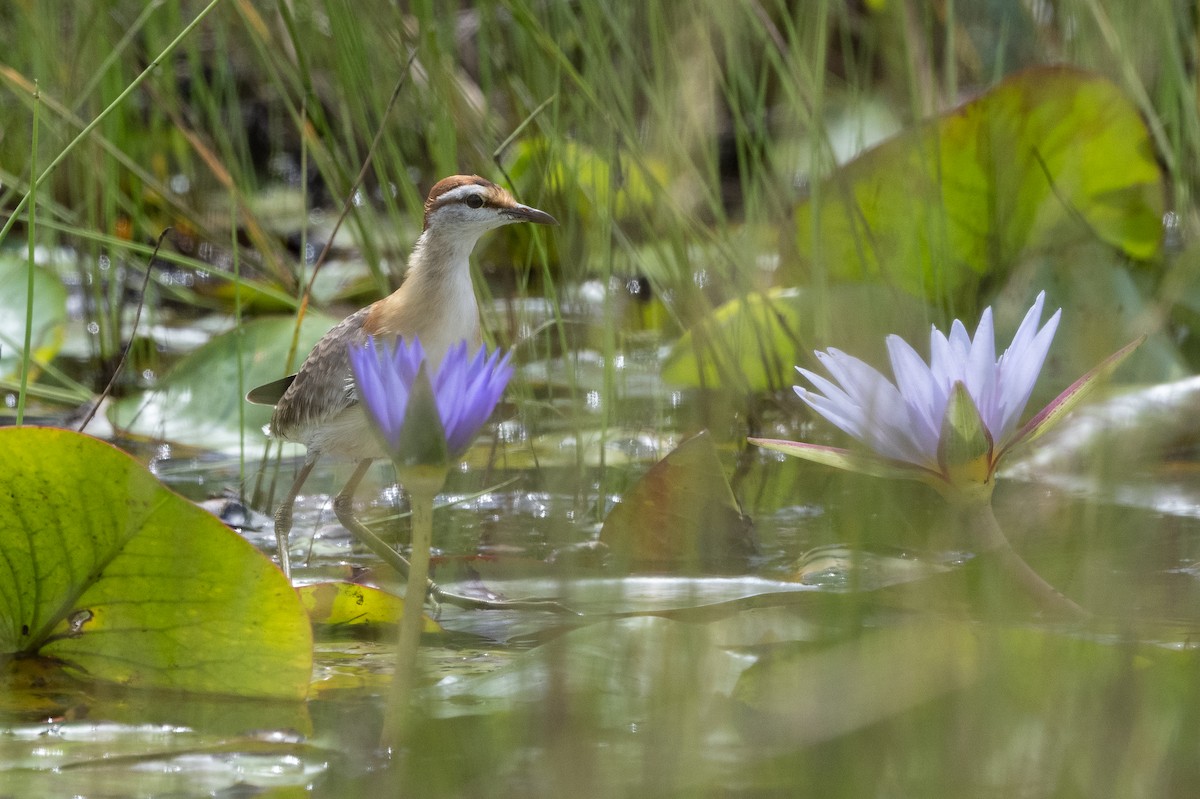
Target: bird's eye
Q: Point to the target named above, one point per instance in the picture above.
(474, 201)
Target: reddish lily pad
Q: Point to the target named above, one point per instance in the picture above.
(681, 515)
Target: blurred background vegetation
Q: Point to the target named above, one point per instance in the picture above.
(683, 149)
(699, 157)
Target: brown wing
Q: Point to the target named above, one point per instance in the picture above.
(323, 387)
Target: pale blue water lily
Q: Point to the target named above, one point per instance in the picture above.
(400, 397)
(947, 422)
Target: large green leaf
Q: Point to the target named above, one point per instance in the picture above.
(120, 579)
(1047, 156)
(1105, 306)
(200, 401)
(49, 313)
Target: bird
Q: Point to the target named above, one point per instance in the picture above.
(317, 406)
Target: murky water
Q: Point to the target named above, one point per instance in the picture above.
(862, 620)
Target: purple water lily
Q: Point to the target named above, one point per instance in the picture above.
(947, 422)
(903, 421)
(465, 389)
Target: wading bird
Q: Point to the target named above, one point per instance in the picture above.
(318, 407)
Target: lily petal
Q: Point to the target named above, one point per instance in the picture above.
(980, 367)
(922, 394)
(463, 393)
(1018, 370)
(884, 425)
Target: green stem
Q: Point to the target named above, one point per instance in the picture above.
(422, 486)
(983, 526)
(383, 550)
(27, 346)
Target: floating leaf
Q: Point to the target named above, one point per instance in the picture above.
(200, 401)
(681, 514)
(49, 313)
(1048, 156)
(120, 579)
(350, 604)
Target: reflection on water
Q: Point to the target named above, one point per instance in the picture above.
(865, 624)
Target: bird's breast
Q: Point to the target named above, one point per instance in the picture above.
(439, 310)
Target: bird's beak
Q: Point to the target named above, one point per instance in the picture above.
(523, 213)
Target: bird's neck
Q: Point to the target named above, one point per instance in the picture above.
(439, 273)
(444, 248)
(437, 299)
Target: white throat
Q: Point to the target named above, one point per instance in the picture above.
(440, 270)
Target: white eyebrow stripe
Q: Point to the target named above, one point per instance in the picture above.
(460, 193)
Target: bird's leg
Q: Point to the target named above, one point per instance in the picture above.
(343, 503)
(283, 516)
(343, 506)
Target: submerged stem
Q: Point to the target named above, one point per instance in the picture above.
(423, 486)
(983, 526)
(440, 595)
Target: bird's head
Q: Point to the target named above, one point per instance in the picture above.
(473, 205)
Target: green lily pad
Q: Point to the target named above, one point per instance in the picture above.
(200, 401)
(1048, 156)
(119, 579)
(49, 313)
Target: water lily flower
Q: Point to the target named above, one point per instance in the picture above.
(423, 418)
(947, 422)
